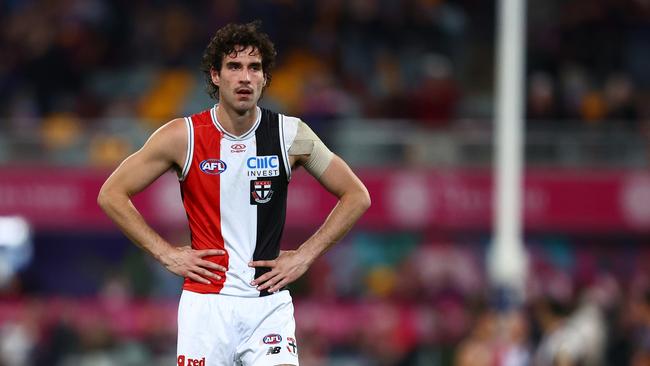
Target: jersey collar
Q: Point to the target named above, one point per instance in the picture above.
(230, 136)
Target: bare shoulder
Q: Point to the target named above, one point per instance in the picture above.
(169, 141)
(172, 131)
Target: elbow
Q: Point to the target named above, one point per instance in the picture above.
(364, 199)
(104, 199)
(359, 199)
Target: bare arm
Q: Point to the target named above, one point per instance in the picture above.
(165, 149)
(354, 200)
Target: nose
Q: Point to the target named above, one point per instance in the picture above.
(245, 76)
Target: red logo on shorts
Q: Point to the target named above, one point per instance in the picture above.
(272, 339)
(180, 361)
(292, 346)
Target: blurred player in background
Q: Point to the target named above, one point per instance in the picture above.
(234, 163)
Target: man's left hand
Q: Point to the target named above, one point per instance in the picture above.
(288, 267)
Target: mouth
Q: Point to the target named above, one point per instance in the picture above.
(244, 92)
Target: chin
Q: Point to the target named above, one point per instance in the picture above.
(245, 105)
(242, 108)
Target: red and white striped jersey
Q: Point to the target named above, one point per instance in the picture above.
(234, 190)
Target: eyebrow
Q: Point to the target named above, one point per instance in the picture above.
(239, 63)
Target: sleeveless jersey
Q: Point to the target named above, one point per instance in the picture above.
(234, 189)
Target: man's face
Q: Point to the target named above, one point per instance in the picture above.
(240, 80)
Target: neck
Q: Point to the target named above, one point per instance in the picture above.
(235, 122)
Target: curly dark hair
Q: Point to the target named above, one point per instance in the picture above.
(235, 38)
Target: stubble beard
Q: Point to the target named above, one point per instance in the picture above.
(239, 107)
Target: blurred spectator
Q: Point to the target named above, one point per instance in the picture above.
(499, 339)
(542, 103)
(17, 344)
(641, 352)
(108, 151)
(570, 335)
(558, 345)
(324, 101)
(514, 348)
(61, 136)
(619, 96)
(593, 108)
(479, 349)
(434, 100)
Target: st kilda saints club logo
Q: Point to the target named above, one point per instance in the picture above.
(261, 191)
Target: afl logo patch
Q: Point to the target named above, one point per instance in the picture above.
(212, 166)
(272, 339)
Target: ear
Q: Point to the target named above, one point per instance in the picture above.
(214, 75)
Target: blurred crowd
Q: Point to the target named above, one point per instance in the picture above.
(374, 299)
(87, 80)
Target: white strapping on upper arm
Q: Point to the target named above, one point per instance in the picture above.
(308, 143)
(319, 159)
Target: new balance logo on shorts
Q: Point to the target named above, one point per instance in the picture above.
(181, 361)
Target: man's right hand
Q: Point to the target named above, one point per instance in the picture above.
(187, 262)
